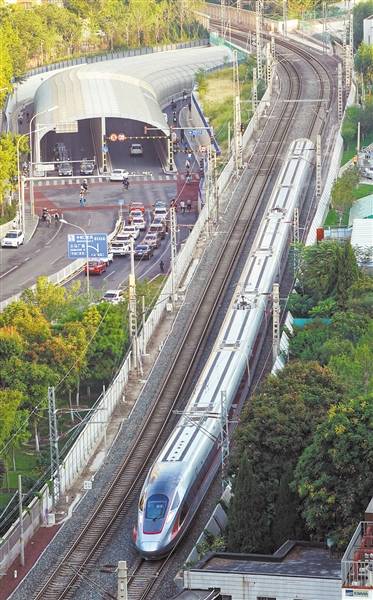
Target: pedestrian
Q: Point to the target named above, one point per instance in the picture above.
(173, 203)
(48, 219)
(182, 136)
(190, 106)
(182, 206)
(189, 205)
(173, 104)
(189, 156)
(82, 199)
(161, 266)
(187, 164)
(56, 219)
(174, 118)
(85, 185)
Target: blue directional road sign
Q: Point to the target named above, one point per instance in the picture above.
(77, 245)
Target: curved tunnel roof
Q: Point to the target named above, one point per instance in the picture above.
(135, 87)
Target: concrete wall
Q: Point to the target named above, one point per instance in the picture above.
(239, 586)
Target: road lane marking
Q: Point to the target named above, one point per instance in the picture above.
(56, 260)
(27, 258)
(10, 270)
(38, 250)
(110, 274)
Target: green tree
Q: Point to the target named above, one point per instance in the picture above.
(342, 191)
(347, 273)
(286, 524)
(10, 401)
(364, 62)
(333, 475)
(278, 423)
(361, 10)
(247, 527)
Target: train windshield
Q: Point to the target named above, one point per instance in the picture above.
(156, 507)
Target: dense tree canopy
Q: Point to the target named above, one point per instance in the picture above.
(306, 434)
(333, 476)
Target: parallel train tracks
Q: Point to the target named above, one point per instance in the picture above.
(66, 577)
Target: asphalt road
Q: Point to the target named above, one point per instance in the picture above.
(46, 253)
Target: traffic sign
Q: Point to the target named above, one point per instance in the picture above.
(77, 245)
(121, 137)
(113, 137)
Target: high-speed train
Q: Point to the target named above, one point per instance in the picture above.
(177, 481)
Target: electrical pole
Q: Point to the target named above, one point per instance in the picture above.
(285, 16)
(275, 320)
(222, 17)
(122, 580)
(237, 115)
(273, 47)
(295, 239)
(259, 25)
(254, 97)
(53, 442)
(324, 45)
(170, 154)
(132, 307)
(340, 93)
(173, 242)
(268, 64)
(224, 439)
(318, 168)
(20, 512)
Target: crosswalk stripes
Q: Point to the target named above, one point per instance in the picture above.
(91, 181)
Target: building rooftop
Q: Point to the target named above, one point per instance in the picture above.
(361, 209)
(294, 559)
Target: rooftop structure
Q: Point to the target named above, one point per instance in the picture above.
(361, 209)
(368, 30)
(296, 570)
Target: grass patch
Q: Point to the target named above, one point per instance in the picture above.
(363, 189)
(26, 464)
(216, 95)
(333, 218)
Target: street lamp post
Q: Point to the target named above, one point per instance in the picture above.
(31, 154)
(21, 184)
(86, 248)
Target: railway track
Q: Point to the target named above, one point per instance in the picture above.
(66, 577)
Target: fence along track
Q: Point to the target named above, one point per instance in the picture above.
(65, 579)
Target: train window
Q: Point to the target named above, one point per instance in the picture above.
(176, 501)
(156, 507)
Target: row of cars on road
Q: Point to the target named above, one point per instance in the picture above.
(136, 224)
(121, 244)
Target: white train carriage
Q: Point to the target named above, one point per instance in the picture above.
(178, 479)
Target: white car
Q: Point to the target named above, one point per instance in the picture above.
(136, 150)
(160, 212)
(139, 223)
(113, 296)
(131, 230)
(13, 239)
(120, 247)
(368, 173)
(118, 174)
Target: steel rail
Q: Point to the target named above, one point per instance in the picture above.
(64, 580)
(145, 580)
